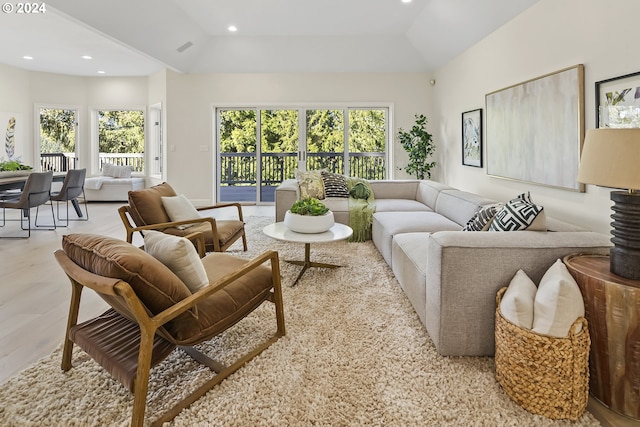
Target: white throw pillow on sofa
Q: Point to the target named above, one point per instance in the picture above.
(558, 302)
(116, 171)
(179, 208)
(518, 300)
(179, 255)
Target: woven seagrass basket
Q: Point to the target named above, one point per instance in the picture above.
(545, 375)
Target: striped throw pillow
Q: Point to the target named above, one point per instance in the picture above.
(335, 185)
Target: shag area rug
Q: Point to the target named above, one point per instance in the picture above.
(355, 354)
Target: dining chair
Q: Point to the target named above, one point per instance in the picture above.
(72, 188)
(35, 193)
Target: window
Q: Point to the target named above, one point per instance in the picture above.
(58, 130)
(121, 138)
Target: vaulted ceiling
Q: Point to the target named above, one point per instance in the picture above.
(140, 37)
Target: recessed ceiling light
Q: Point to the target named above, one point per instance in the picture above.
(406, 1)
(101, 72)
(86, 57)
(27, 57)
(232, 28)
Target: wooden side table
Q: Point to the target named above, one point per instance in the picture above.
(612, 308)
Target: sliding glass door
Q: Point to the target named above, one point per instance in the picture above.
(259, 148)
(278, 148)
(325, 147)
(237, 171)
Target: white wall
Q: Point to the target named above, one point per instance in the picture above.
(550, 36)
(191, 100)
(15, 98)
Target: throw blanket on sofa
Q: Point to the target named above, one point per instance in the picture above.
(361, 209)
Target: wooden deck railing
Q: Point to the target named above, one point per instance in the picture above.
(241, 168)
(62, 162)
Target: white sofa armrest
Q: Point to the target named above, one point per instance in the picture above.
(286, 195)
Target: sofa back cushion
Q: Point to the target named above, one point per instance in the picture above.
(460, 206)
(428, 192)
(554, 224)
(394, 189)
(146, 205)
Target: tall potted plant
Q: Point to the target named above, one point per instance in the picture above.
(418, 143)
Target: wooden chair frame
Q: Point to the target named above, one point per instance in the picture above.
(131, 228)
(149, 325)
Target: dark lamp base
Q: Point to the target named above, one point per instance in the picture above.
(625, 255)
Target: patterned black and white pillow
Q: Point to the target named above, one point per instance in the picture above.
(335, 185)
(481, 220)
(518, 214)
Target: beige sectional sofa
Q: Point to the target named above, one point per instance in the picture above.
(452, 276)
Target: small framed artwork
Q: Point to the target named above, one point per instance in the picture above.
(618, 102)
(472, 138)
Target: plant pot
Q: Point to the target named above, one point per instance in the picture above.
(308, 223)
(13, 174)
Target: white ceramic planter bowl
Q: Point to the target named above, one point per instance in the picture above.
(13, 174)
(308, 223)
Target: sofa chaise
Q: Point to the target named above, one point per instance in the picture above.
(450, 276)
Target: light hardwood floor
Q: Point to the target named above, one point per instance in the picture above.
(35, 293)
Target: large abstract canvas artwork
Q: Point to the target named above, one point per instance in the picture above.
(535, 130)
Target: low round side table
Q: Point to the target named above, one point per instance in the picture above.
(612, 308)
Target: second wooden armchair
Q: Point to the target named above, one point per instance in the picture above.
(145, 211)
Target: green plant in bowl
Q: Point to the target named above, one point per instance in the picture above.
(13, 165)
(309, 206)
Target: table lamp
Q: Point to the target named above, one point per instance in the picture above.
(611, 158)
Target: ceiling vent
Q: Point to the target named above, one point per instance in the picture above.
(184, 47)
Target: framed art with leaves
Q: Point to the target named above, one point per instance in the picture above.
(618, 102)
(472, 138)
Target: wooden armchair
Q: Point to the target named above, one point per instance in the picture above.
(153, 312)
(145, 211)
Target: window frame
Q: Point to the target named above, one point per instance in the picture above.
(95, 143)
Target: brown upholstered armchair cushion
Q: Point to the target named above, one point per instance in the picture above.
(146, 205)
(158, 288)
(154, 284)
(229, 305)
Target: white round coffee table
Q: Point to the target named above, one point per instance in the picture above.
(279, 231)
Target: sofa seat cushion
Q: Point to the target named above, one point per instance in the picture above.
(400, 205)
(388, 224)
(337, 204)
(409, 256)
(229, 305)
(227, 229)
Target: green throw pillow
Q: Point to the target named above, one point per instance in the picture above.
(360, 191)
